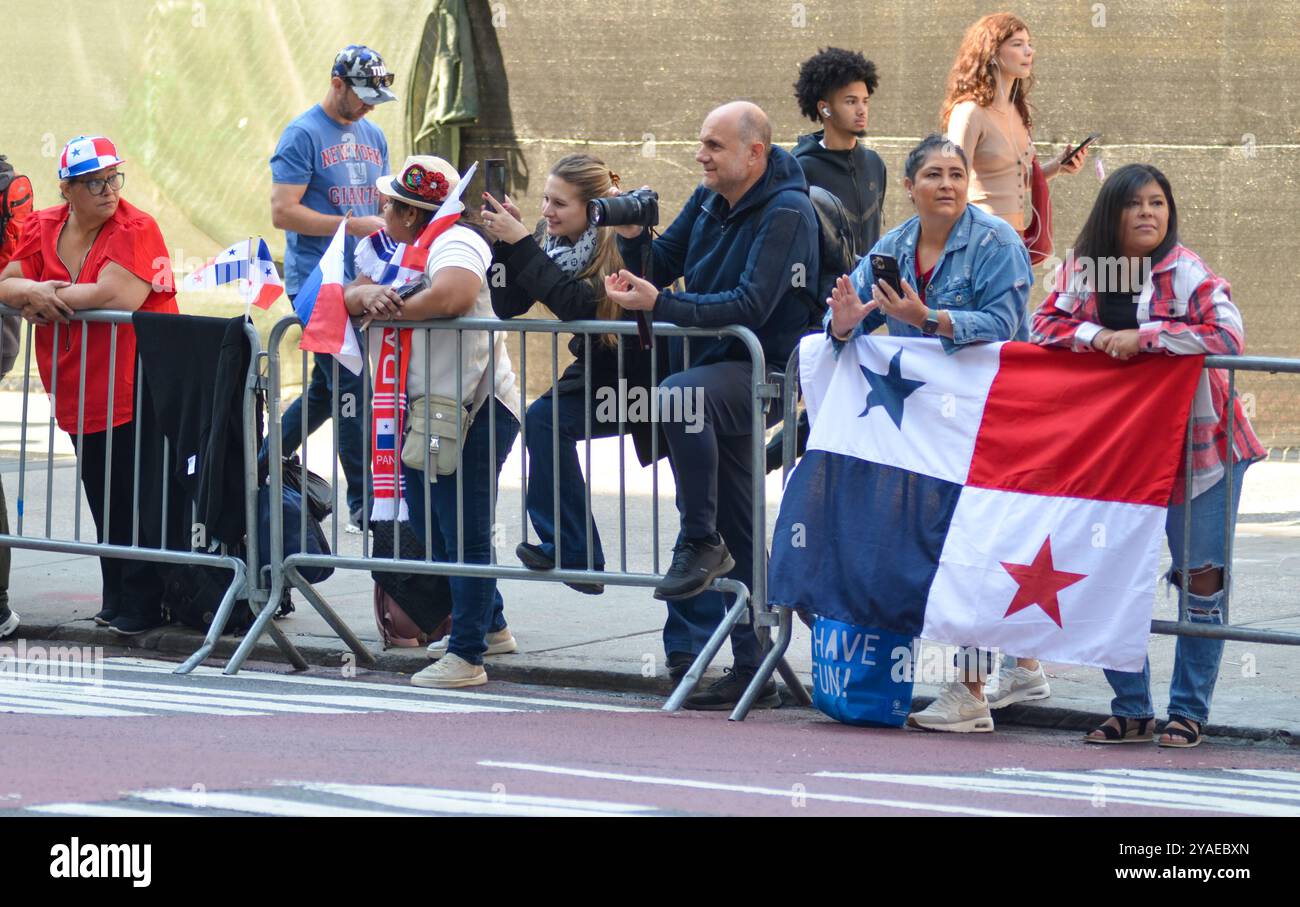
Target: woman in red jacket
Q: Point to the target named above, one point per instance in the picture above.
(96, 251)
(1170, 304)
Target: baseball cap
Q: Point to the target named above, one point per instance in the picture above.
(86, 154)
(364, 70)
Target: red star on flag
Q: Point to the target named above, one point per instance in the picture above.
(1039, 582)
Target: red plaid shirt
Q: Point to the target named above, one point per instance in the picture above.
(1184, 309)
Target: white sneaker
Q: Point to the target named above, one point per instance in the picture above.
(450, 671)
(956, 710)
(9, 625)
(501, 642)
(1016, 684)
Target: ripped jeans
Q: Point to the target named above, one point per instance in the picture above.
(1196, 659)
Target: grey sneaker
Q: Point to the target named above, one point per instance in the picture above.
(955, 710)
(1016, 684)
(449, 672)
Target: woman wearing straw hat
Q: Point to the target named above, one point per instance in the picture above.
(453, 284)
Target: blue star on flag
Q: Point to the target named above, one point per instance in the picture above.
(889, 390)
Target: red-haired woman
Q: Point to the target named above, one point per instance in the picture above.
(96, 251)
(986, 111)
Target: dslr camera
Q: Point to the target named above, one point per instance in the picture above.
(638, 208)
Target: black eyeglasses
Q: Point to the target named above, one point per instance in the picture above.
(383, 81)
(100, 185)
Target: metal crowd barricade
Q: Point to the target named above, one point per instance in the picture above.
(1180, 627)
(49, 540)
(286, 570)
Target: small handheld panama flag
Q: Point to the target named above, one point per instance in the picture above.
(326, 327)
(258, 280)
(1007, 496)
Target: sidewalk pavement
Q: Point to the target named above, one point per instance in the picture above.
(613, 641)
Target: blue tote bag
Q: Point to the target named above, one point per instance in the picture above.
(861, 675)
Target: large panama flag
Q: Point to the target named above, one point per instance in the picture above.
(1006, 495)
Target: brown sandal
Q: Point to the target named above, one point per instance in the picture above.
(1130, 730)
(1187, 730)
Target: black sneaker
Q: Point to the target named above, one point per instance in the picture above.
(678, 664)
(286, 607)
(8, 621)
(722, 695)
(134, 625)
(696, 563)
(535, 558)
(105, 617)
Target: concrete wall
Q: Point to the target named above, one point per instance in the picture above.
(1207, 91)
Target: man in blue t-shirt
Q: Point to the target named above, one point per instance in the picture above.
(326, 165)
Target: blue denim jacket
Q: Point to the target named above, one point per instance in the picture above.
(982, 279)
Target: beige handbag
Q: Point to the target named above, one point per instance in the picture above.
(437, 436)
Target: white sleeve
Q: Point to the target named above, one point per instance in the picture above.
(459, 247)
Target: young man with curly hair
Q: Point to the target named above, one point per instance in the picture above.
(834, 90)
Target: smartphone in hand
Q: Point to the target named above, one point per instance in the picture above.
(885, 267)
(1082, 145)
(494, 178)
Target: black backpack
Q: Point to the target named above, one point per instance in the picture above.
(835, 245)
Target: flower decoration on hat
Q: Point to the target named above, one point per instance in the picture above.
(429, 185)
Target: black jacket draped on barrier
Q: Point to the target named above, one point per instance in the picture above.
(195, 369)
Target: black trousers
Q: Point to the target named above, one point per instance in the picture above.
(710, 434)
(132, 588)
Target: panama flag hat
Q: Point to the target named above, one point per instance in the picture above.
(86, 154)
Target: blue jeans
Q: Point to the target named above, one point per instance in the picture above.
(542, 466)
(477, 608)
(320, 408)
(1196, 659)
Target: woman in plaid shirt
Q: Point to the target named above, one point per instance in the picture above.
(1129, 288)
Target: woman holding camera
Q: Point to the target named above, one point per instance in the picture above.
(562, 264)
(965, 278)
(1179, 308)
(454, 285)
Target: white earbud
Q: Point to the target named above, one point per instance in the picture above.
(826, 111)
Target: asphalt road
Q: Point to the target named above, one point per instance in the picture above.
(127, 737)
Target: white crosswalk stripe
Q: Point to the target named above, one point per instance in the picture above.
(336, 800)
(141, 687)
(1201, 791)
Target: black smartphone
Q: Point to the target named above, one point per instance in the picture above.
(885, 267)
(494, 178)
(1082, 145)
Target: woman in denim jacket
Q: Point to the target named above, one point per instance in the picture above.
(966, 279)
(1170, 304)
